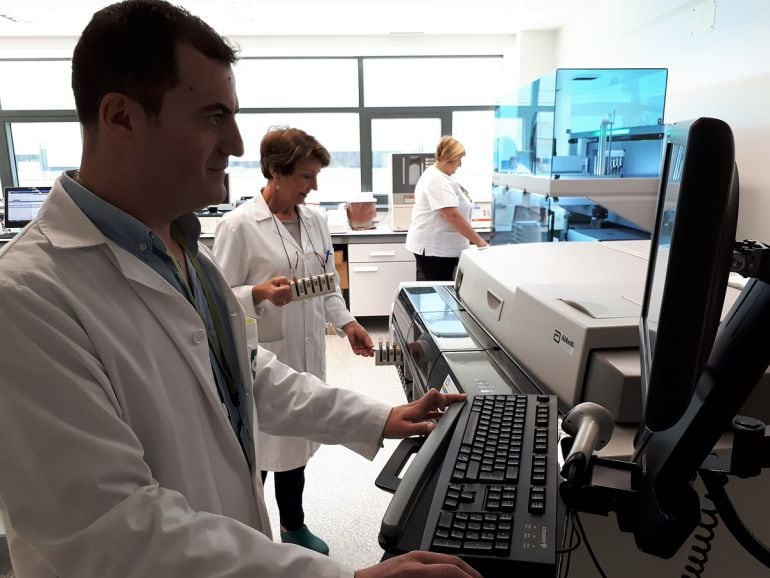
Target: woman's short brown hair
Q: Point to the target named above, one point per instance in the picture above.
(282, 148)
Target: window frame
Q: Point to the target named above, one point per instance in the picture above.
(8, 174)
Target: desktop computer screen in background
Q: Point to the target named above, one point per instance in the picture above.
(22, 204)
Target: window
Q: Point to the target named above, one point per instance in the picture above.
(476, 131)
(409, 103)
(36, 85)
(296, 83)
(432, 81)
(42, 150)
(338, 132)
(399, 135)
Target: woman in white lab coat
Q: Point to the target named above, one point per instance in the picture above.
(260, 246)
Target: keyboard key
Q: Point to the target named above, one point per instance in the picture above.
(446, 545)
(470, 429)
(493, 476)
(477, 546)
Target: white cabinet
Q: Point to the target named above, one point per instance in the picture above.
(375, 271)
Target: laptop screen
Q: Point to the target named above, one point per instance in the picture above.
(22, 204)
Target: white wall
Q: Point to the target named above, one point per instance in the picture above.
(722, 72)
(536, 55)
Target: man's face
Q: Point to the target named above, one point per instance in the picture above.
(183, 152)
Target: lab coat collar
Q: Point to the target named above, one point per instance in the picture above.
(64, 224)
(260, 209)
(261, 212)
(66, 227)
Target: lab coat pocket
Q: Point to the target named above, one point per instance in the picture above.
(252, 343)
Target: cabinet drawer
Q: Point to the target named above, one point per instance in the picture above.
(373, 286)
(370, 252)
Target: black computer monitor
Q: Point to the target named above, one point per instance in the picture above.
(689, 265)
(22, 205)
(688, 384)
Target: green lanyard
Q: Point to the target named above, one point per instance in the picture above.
(214, 342)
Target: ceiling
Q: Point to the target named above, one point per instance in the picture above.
(310, 17)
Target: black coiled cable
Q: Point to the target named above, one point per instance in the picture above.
(704, 535)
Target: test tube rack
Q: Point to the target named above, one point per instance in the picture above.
(312, 286)
(388, 353)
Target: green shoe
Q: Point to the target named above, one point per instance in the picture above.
(306, 538)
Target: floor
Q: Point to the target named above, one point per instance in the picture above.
(342, 504)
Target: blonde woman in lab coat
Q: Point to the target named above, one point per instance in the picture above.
(260, 246)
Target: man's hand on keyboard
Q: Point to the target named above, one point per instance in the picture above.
(419, 564)
(414, 418)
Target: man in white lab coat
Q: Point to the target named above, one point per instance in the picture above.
(126, 403)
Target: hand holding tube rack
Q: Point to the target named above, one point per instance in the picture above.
(313, 286)
(388, 353)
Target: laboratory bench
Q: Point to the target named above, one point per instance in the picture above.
(372, 263)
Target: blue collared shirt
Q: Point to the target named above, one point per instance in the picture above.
(136, 238)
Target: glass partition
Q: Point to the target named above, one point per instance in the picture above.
(583, 122)
(577, 156)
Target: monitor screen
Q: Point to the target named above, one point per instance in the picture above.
(22, 204)
(689, 265)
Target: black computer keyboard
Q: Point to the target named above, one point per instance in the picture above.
(498, 509)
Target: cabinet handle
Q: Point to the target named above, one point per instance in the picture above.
(495, 303)
(365, 269)
(382, 253)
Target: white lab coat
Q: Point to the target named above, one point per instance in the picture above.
(248, 245)
(116, 455)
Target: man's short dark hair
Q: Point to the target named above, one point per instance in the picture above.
(130, 48)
